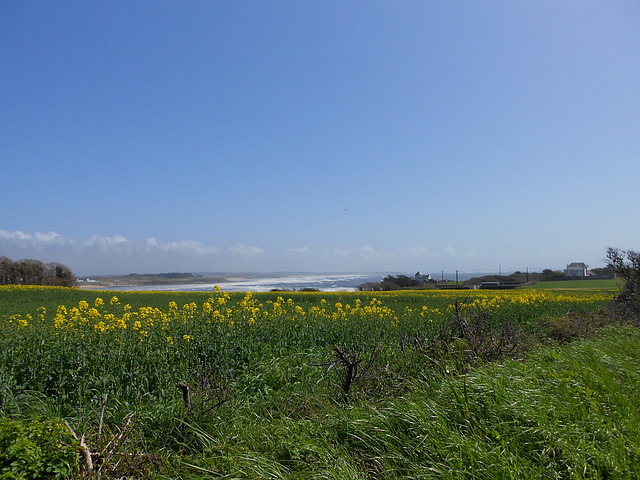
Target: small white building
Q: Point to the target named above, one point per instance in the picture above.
(579, 270)
(422, 278)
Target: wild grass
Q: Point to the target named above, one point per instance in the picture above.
(567, 412)
(608, 284)
(317, 385)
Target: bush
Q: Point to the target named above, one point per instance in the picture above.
(36, 449)
(627, 265)
(389, 283)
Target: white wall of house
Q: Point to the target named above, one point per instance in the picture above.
(577, 270)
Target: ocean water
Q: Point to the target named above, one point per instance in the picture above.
(339, 282)
(327, 282)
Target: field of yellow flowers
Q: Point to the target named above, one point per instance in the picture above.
(62, 350)
(137, 344)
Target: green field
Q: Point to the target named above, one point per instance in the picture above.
(422, 384)
(612, 284)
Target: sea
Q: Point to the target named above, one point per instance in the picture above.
(326, 282)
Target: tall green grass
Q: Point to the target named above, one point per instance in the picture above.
(265, 385)
(569, 412)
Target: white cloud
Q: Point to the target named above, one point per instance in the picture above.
(242, 250)
(52, 238)
(109, 254)
(117, 254)
(367, 252)
(151, 243)
(118, 243)
(188, 247)
(17, 235)
(418, 252)
(449, 250)
(150, 246)
(37, 241)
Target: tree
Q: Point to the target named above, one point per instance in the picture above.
(58, 274)
(30, 272)
(551, 275)
(627, 265)
(596, 272)
(8, 271)
(34, 272)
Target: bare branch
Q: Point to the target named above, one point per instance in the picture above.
(104, 404)
(185, 394)
(84, 449)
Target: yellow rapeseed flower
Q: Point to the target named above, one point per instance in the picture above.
(100, 327)
(58, 320)
(24, 322)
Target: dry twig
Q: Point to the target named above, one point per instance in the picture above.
(104, 404)
(86, 453)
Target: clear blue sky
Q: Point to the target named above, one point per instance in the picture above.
(155, 136)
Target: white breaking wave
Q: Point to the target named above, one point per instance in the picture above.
(339, 282)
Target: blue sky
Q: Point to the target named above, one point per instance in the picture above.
(156, 136)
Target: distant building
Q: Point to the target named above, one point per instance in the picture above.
(422, 278)
(579, 270)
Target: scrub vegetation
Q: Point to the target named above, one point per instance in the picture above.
(408, 384)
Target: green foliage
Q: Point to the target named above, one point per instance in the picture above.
(549, 275)
(36, 449)
(587, 283)
(565, 413)
(268, 383)
(390, 283)
(255, 353)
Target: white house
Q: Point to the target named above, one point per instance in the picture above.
(422, 278)
(577, 270)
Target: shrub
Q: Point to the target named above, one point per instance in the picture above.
(627, 265)
(36, 449)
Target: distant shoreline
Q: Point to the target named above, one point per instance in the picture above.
(232, 282)
(135, 280)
